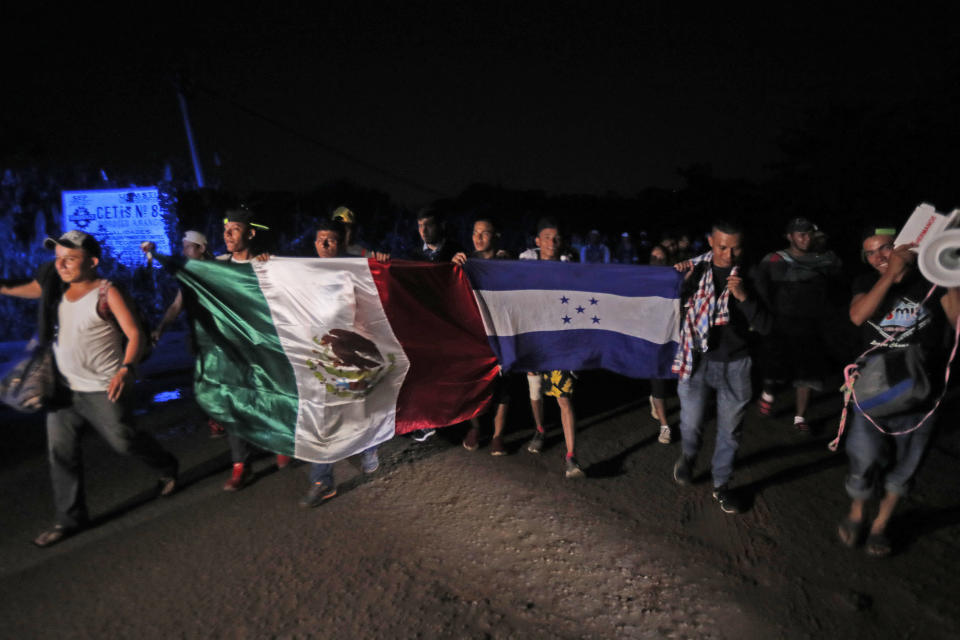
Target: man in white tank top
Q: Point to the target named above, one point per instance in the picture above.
(99, 372)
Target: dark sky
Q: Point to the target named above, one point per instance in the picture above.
(591, 97)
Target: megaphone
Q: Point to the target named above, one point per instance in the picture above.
(939, 258)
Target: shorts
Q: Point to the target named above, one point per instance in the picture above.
(559, 384)
(660, 387)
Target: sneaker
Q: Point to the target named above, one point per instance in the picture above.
(683, 471)
(421, 435)
(573, 469)
(239, 479)
(536, 442)
(369, 461)
(472, 440)
(319, 493)
(727, 499)
(665, 435)
(496, 447)
(283, 461)
(216, 429)
(800, 424)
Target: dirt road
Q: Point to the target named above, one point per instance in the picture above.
(446, 543)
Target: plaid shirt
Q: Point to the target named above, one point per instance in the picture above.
(702, 312)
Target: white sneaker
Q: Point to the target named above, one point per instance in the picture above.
(665, 435)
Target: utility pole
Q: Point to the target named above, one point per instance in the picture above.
(197, 170)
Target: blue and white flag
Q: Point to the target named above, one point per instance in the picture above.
(543, 315)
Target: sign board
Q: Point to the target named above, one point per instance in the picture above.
(120, 219)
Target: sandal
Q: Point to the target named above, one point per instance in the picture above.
(850, 532)
(52, 536)
(878, 545)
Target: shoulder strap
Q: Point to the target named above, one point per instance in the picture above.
(103, 305)
(783, 253)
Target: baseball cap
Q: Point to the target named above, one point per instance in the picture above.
(196, 238)
(799, 225)
(74, 239)
(243, 215)
(344, 214)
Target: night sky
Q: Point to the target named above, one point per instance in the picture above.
(423, 99)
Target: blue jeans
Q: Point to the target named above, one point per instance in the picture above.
(869, 453)
(323, 471)
(731, 383)
(113, 421)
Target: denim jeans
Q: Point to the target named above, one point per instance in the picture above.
(112, 420)
(869, 453)
(731, 383)
(323, 471)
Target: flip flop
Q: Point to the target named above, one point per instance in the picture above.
(52, 536)
(878, 545)
(850, 531)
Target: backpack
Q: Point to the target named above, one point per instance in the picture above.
(103, 310)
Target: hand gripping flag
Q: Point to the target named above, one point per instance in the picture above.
(544, 315)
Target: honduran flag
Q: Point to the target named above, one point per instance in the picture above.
(322, 358)
(544, 315)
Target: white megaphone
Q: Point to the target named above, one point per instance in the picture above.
(939, 258)
(937, 237)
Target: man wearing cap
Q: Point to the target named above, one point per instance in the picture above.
(194, 248)
(239, 231)
(349, 220)
(99, 372)
(799, 287)
(894, 309)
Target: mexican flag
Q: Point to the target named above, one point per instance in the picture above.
(320, 359)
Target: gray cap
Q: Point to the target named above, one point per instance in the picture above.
(75, 240)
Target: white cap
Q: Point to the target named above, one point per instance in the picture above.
(196, 238)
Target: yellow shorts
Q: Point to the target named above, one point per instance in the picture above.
(558, 384)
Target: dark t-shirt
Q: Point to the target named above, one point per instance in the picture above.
(799, 290)
(731, 341)
(444, 253)
(897, 314)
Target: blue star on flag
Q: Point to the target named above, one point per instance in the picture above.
(566, 319)
(595, 319)
(564, 300)
(580, 309)
(593, 301)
